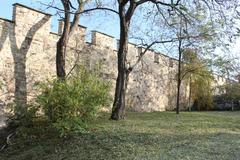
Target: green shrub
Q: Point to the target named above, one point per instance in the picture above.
(71, 104)
(26, 119)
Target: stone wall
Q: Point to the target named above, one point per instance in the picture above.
(27, 56)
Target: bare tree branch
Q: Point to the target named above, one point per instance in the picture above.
(83, 11)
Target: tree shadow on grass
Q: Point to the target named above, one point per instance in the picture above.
(131, 145)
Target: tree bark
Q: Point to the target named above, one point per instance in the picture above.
(178, 96)
(67, 32)
(62, 43)
(60, 58)
(190, 94)
(118, 110)
(179, 76)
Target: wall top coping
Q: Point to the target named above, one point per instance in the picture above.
(151, 50)
(8, 20)
(103, 33)
(79, 25)
(54, 33)
(18, 4)
(134, 44)
(158, 53)
(167, 56)
(172, 58)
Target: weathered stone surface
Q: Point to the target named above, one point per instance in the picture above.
(27, 56)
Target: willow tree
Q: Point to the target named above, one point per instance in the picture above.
(197, 71)
(199, 24)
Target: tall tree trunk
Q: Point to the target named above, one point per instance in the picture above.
(62, 43)
(190, 94)
(178, 96)
(60, 58)
(118, 110)
(179, 76)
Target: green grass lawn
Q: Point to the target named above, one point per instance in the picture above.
(195, 135)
